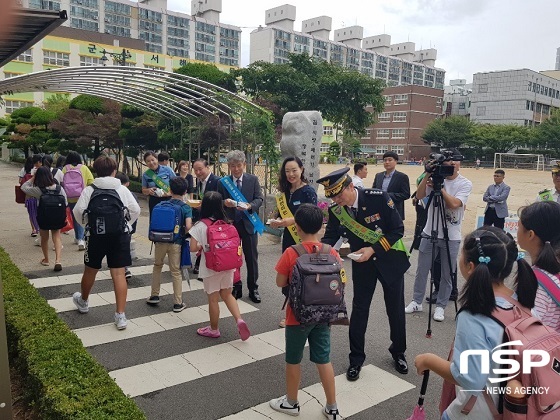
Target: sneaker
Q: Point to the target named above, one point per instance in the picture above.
(439, 314)
(81, 245)
(127, 274)
(120, 321)
(38, 242)
(281, 405)
(178, 307)
(152, 300)
(243, 330)
(82, 305)
(331, 414)
(413, 307)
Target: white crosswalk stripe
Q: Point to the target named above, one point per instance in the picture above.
(77, 278)
(106, 298)
(137, 327)
(374, 386)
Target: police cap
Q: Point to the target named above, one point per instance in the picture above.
(335, 182)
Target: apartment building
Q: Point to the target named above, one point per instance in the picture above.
(408, 110)
(397, 64)
(150, 35)
(522, 97)
(456, 98)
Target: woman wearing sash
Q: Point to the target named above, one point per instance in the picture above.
(294, 191)
(155, 181)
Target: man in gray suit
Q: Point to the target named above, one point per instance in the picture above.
(495, 197)
(250, 188)
(393, 182)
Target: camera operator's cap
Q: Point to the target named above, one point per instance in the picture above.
(335, 182)
(556, 168)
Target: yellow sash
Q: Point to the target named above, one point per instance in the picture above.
(285, 213)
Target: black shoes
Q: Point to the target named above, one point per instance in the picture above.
(353, 373)
(401, 365)
(237, 292)
(452, 298)
(195, 270)
(255, 296)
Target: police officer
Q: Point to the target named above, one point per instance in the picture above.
(549, 195)
(382, 258)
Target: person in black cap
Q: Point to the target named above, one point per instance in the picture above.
(374, 228)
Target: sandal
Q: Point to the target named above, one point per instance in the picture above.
(45, 263)
(33, 234)
(243, 329)
(282, 323)
(57, 267)
(208, 332)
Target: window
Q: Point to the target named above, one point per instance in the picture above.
(401, 99)
(325, 147)
(11, 106)
(384, 117)
(9, 75)
(398, 133)
(462, 105)
(89, 61)
(399, 116)
(399, 150)
(25, 56)
(56, 58)
(483, 88)
(367, 134)
(381, 148)
(327, 131)
(388, 99)
(480, 111)
(383, 133)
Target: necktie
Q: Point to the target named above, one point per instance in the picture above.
(352, 212)
(238, 214)
(238, 184)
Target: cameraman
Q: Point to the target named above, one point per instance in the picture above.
(455, 190)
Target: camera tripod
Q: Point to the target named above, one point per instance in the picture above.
(438, 216)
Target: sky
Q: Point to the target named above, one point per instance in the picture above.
(470, 36)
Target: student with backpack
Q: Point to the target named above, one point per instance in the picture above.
(75, 178)
(107, 209)
(539, 234)
(30, 202)
(218, 262)
(169, 224)
(125, 182)
(308, 220)
(486, 261)
(51, 211)
(56, 173)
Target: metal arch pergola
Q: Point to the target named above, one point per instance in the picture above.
(168, 94)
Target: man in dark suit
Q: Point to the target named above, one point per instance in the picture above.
(384, 259)
(250, 188)
(205, 181)
(393, 182)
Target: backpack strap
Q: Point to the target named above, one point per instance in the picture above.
(300, 249)
(546, 280)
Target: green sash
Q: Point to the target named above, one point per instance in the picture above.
(364, 233)
(546, 195)
(285, 213)
(158, 181)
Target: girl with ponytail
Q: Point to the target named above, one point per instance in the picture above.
(487, 259)
(539, 235)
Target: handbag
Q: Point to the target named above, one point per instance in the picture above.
(20, 195)
(69, 221)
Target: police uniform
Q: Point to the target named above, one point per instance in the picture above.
(375, 210)
(549, 194)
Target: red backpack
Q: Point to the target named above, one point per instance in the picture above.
(224, 250)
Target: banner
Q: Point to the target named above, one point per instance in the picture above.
(510, 225)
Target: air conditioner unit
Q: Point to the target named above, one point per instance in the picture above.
(107, 31)
(94, 18)
(160, 20)
(107, 20)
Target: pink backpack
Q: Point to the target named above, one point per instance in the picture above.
(73, 181)
(224, 250)
(520, 325)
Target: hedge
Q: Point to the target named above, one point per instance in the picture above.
(60, 377)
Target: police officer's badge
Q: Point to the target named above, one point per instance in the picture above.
(390, 203)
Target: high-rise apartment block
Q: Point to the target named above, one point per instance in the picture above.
(397, 64)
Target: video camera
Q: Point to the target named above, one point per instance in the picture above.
(438, 170)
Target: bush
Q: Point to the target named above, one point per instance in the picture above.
(135, 186)
(61, 378)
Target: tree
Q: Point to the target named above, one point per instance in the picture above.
(499, 138)
(334, 149)
(209, 73)
(450, 132)
(547, 134)
(25, 135)
(57, 103)
(306, 83)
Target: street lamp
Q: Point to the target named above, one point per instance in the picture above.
(119, 58)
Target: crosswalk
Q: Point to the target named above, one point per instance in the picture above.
(156, 377)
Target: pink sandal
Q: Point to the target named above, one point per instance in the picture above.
(243, 329)
(208, 332)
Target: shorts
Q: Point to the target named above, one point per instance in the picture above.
(319, 337)
(115, 247)
(218, 281)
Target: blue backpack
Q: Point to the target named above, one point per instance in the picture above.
(167, 222)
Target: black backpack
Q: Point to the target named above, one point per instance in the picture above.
(106, 213)
(51, 213)
(316, 290)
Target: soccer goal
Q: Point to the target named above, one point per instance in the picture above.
(519, 161)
